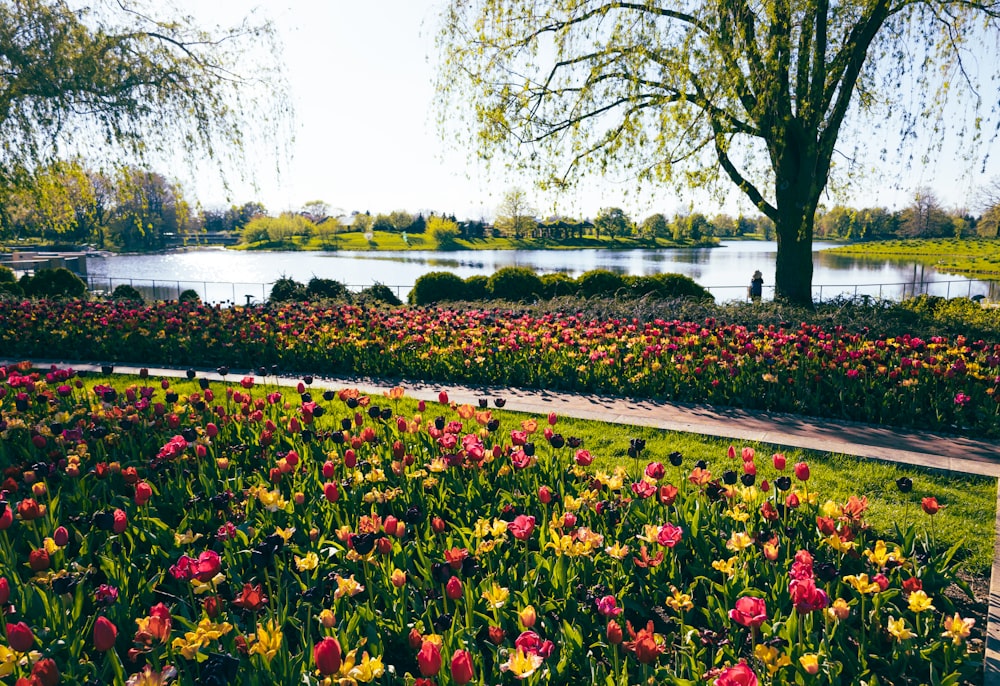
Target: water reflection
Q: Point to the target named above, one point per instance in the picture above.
(224, 274)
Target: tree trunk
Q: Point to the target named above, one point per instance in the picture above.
(794, 268)
(799, 181)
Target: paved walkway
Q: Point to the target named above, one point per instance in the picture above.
(922, 449)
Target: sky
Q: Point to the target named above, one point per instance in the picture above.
(361, 80)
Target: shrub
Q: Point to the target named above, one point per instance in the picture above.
(435, 287)
(599, 283)
(518, 284)
(379, 293)
(127, 292)
(557, 285)
(477, 287)
(189, 296)
(8, 284)
(680, 286)
(326, 289)
(286, 289)
(443, 233)
(53, 283)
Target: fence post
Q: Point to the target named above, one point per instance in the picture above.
(947, 291)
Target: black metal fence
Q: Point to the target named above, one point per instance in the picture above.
(244, 293)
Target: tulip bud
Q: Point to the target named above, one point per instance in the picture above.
(453, 589)
(327, 619)
(19, 637)
(105, 634)
(398, 578)
(326, 655)
(429, 657)
(330, 492)
(143, 492)
(528, 616)
(443, 399)
(4, 592)
(614, 633)
(545, 495)
(802, 471)
(462, 670)
(438, 525)
(779, 461)
(415, 638)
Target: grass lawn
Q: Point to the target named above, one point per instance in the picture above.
(969, 256)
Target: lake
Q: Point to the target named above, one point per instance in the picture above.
(225, 276)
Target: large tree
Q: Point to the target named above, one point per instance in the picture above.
(115, 79)
(690, 92)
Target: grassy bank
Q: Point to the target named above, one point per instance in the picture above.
(967, 256)
(383, 240)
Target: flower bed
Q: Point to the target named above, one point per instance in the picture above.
(243, 535)
(938, 384)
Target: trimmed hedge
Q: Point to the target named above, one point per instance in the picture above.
(520, 284)
(435, 287)
(53, 283)
(517, 284)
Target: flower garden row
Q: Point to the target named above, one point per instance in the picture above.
(240, 534)
(941, 383)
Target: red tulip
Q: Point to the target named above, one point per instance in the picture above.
(930, 505)
(462, 670)
(208, 565)
(331, 492)
(105, 634)
(614, 633)
(45, 672)
(143, 492)
(429, 658)
(19, 637)
(522, 526)
(60, 536)
(737, 675)
(802, 471)
(779, 461)
(453, 589)
(749, 611)
(120, 521)
(4, 591)
(326, 655)
(545, 494)
(38, 560)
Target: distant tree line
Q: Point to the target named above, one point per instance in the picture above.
(137, 209)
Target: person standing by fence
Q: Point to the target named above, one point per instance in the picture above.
(756, 288)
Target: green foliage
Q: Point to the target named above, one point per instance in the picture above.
(518, 284)
(131, 81)
(326, 289)
(600, 283)
(435, 287)
(613, 221)
(127, 292)
(477, 287)
(379, 293)
(708, 93)
(667, 286)
(8, 283)
(442, 232)
(286, 289)
(557, 284)
(280, 230)
(53, 283)
(189, 296)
